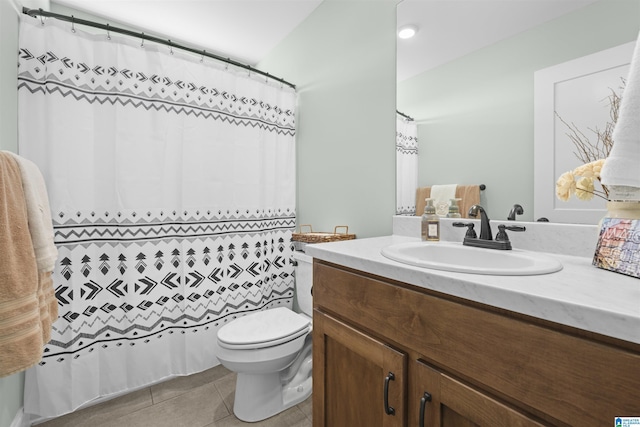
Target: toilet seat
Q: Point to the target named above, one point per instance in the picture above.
(263, 329)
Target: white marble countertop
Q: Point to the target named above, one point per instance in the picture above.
(580, 295)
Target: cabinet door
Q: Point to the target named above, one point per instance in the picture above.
(438, 400)
(358, 381)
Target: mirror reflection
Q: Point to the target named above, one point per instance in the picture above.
(467, 79)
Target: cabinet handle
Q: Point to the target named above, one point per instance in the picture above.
(423, 403)
(388, 409)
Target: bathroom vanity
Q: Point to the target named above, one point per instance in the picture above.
(396, 345)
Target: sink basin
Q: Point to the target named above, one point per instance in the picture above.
(451, 256)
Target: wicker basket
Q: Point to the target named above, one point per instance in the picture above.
(301, 239)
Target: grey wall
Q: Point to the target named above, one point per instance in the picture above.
(8, 75)
(11, 387)
(342, 59)
(475, 114)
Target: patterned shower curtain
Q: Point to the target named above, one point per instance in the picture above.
(406, 166)
(172, 187)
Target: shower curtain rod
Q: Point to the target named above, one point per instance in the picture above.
(39, 12)
(404, 115)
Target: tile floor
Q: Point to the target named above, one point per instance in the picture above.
(199, 400)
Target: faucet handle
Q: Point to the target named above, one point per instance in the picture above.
(502, 234)
(470, 231)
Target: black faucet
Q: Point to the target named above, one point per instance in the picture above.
(485, 227)
(515, 210)
(486, 238)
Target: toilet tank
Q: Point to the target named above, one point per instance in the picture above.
(304, 282)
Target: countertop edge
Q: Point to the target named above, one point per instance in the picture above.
(580, 295)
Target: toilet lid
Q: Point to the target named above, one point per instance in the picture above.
(263, 328)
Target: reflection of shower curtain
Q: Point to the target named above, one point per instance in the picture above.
(406, 166)
(172, 186)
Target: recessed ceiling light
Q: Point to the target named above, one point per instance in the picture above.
(407, 31)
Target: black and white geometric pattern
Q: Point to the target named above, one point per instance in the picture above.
(53, 73)
(134, 277)
(172, 188)
(406, 166)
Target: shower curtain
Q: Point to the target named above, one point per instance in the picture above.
(172, 187)
(406, 166)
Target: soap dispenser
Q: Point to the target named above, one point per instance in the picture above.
(454, 209)
(430, 223)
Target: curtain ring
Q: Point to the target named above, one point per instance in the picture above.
(108, 34)
(170, 48)
(73, 24)
(203, 53)
(142, 40)
(41, 18)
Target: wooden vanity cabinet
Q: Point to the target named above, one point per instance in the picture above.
(364, 377)
(478, 365)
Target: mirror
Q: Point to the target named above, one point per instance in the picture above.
(467, 78)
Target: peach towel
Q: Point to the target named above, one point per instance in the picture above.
(38, 213)
(41, 231)
(21, 326)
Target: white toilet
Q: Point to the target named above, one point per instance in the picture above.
(271, 352)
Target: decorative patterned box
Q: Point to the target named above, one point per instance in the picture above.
(618, 247)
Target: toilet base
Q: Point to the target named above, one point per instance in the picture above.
(260, 396)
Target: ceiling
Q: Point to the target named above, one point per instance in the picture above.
(449, 29)
(246, 30)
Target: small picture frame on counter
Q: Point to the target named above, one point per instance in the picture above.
(618, 247)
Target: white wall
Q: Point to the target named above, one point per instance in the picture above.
(475, 114)
(342, 59)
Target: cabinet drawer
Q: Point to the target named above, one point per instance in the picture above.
(572, 379)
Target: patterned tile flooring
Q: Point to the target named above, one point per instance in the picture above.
(199, 400)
